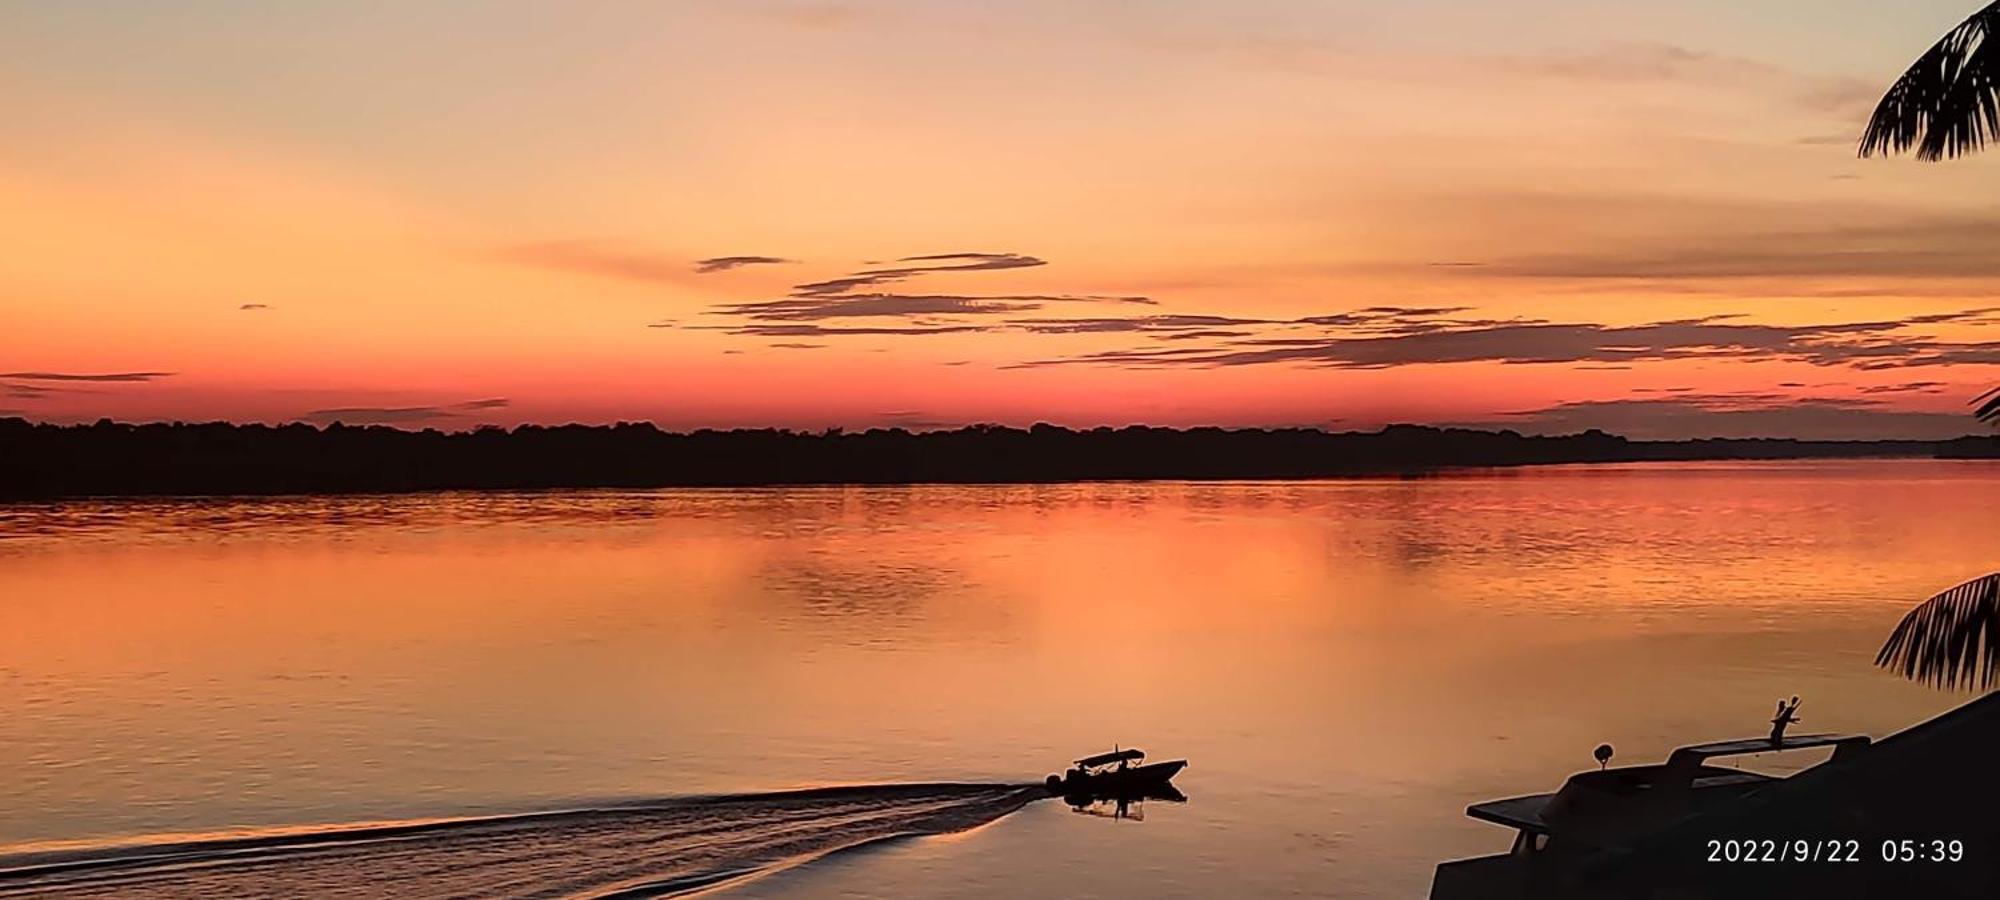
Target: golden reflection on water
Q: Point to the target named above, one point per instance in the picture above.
(1347, 663)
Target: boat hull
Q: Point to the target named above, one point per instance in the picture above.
(1130, 781)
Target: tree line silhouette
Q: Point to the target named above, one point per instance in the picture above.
(110, 458)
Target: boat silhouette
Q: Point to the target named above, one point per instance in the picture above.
(1903, 816)
(1115, 774)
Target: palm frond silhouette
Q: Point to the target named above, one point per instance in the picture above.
(1945, 106)
(1951, 640)
(1948, 103)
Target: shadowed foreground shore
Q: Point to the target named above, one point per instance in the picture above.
(655, 849)
(108, 458)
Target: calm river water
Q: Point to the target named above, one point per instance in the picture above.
(1347, 664)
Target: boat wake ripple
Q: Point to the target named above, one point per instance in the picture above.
(653, 849)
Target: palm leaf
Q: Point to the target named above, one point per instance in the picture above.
(1989, 406)
(1951, 638)
(1948, 103)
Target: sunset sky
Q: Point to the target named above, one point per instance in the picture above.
(1547, 215)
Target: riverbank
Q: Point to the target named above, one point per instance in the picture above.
(220, 458)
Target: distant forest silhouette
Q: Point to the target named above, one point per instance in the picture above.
(109, 458)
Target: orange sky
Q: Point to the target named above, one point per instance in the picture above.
(1547, 215)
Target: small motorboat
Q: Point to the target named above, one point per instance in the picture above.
(1118, 773)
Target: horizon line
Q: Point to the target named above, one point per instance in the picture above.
(845, 431)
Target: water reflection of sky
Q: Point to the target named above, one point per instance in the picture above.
(1347, 663)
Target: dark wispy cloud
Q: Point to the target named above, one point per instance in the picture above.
(789, 345)
(1401, 318)
(1202, 335)
(866, 305)
(1190, 327)
(102, 377)
(1114, 324)
(917, 265)
(397, 415)
(812, 330)
(975, 260)
(1912, 387)
(376, 415)
(41, 385)
(918, 313)
(1954, 246)
(1386, 336)
(1748, 414)
(1416, 339)
(918, 420)
(725, 263)
(254, 306)
(809, 308)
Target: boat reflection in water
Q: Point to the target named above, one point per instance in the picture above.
(1109, 784)
(1123, 805)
